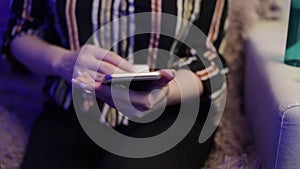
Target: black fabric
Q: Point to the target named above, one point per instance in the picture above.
(58, 142)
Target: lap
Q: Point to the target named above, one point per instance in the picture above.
(188, 154)
(58, 141)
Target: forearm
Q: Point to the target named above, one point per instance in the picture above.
(37, 55)
(185, 86)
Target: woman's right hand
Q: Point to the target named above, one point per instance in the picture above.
(96, 61)
(133, 104)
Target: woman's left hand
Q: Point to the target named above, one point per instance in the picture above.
(130, 102)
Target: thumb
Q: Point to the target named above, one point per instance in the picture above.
(166, 76)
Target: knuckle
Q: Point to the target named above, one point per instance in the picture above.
(88, 48)
(113, 55)
(110, 54)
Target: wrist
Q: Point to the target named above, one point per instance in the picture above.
(63, 62)
(60, 60)
(185, 86)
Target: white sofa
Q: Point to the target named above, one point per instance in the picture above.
(272, 95)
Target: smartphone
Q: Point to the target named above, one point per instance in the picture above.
(135, 81)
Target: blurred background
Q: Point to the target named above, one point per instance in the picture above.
(260, 127)
(20, 102)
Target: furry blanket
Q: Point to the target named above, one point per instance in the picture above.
(234, 145)
(234, 141)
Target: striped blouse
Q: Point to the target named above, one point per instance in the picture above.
(70, 23)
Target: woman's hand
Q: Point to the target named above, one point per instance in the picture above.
(94, 63)
(97, 62)
(131, 103)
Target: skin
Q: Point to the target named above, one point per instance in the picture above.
(93, 64)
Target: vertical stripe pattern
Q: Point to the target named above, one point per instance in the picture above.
(189, 13)
(105, 17)
(124, 28)
(70, 13)
(95, 11)
(216, 20)
(214, 30)
(116, 29)
(131, 10)
(27, 9)
(27, 4)
(156, 9)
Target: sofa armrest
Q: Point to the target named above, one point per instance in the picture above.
(272, 95)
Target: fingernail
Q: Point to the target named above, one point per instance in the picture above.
(85, 87)
(79, 72)
(75, 81)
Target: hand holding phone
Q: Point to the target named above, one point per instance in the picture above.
(143, 101)
(134, 81)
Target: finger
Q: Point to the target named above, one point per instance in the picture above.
(108, 56)
(99, 66)
(109, 69)
(82, 84)
(86, 79)
(88, 61)
(126, 101)
(117, 61)
(166, 76)
(96, 76)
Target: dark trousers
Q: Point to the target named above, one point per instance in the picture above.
(57, 141)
